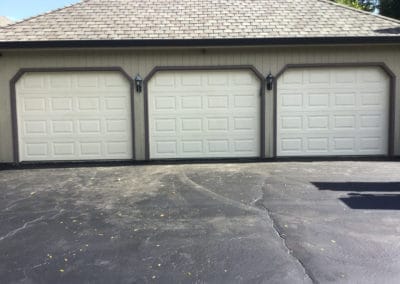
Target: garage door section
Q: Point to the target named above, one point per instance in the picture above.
(332, 111)
(204, 114)
(74, 116)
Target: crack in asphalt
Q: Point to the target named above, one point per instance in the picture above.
(260, 204)
(185, 179)
(29, 224)
(259, 208)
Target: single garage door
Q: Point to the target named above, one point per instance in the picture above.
(74, 116)
(332, 111)
(204, 114)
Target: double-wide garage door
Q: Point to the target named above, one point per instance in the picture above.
(74, 116)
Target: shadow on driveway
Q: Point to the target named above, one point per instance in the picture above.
(375, 200)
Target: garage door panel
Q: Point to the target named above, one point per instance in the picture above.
(74, 116)
(328, 118)
(204, 114)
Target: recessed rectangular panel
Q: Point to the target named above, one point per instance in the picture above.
(292, 77)
(62, 127)
(63, 148)
(61, 104)
(116, 103)
(319, 77)
(243, 79)
(245, 101)
(218, 101)
(345, 121)
(244, 123)
(292, 100)
(218, 79)
(116, 125)
(114, 80)
(371, 121)
(89, 126)
(345, 143)
(117, 147)
(58, 81)
(164, 79)
(90, 148)
(88, 80)
(162, 103)
(89, 103)
(318, 100)
(34, 104)
(191, 102)
(244, 145)
(166, 147)
(35, 127)
(191, 79)
(36, 149)
(218, 124)
(167, 125)
(346, 76)
(292, 122)
(371, 99)
(192, 146)
(372, 76)
(218, 146)
(291, 144)
(319, 122)
(192, 124)
(34, 81)
(317, 144)
(371, 143)
(345, 99)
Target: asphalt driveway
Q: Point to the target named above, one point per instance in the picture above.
(315, 222)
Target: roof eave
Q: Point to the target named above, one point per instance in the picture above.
(198, 42)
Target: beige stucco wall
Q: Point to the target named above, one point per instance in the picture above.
(134, 61)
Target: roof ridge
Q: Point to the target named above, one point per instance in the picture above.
(45, 13)
(360, 11)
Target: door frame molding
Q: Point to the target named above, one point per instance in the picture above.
(21, 72)
(392, 94)
(251, 68)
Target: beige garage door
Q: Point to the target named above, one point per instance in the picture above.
(333, 111)
(204, 114)
(74, 116)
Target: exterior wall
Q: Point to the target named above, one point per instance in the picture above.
(133, 61)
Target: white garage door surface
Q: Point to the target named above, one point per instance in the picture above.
(74, 116)
(197, 114)
(337, 111)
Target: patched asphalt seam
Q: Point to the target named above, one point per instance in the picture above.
(260, 204)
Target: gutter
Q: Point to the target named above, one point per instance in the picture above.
(198, 42)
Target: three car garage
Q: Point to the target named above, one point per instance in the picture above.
(76, 115)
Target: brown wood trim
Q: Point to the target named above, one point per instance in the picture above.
(22, 71)
(382, 65)
(205, 68)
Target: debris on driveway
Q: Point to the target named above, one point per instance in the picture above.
(222, 223)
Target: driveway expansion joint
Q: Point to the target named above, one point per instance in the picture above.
(259, 203)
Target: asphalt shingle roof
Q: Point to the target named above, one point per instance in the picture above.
(199, 19)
